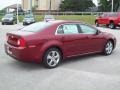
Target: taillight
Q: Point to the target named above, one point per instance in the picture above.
(21, 42)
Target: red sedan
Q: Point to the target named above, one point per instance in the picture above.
(50, 42)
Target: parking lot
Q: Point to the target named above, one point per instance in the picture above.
(92, 72)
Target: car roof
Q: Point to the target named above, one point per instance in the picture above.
(63, 21)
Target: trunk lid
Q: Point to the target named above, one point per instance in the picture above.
(17, 38)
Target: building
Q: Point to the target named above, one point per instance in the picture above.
(13, 8)
(42, 5)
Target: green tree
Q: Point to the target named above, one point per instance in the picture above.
(76, 5)
(105, 5)
(116, 5)
(2, 12)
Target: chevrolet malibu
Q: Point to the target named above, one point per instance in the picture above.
(51, 42)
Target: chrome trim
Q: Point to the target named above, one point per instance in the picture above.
(85, 54)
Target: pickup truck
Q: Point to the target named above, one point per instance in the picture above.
(111, 20)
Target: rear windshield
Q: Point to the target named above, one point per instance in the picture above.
(36, 27)
(29, 16)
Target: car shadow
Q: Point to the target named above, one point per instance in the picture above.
(25, 65)
(79, 58)
(39, 66)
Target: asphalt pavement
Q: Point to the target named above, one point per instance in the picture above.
(92, 72)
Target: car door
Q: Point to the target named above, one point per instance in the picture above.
(103, 19)
(71, 39)
(95, 41)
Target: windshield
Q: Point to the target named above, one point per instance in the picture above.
(29, 16)
(36, 27)
(49, 17)
(8, 15)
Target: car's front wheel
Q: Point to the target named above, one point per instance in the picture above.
(108, 48)
(52, 58)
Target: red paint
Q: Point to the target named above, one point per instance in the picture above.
(32, 46)
(107, 18)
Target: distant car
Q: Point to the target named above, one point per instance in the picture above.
(9, 19)
(29, 19)
(111, 20)
(49, 18)
(50, 42)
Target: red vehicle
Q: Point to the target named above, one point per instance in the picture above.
(111, 20)
(50, 42)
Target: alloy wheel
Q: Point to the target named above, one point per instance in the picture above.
(109, 48)
(52, 58)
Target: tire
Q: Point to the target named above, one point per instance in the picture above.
(112, 25)
(52, 58)
(13, 22)
(2, 23)
(96, 23)
(108, 49)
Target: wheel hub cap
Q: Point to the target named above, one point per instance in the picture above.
(109, 47)
(53, 58)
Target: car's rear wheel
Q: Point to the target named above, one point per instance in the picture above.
(107, 25)
(108, 48)
(52, 58)
(112, 25)
(96, 23)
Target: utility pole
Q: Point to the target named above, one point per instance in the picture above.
(17, 13)
(30, 6)
(112, 8)
(50, 7)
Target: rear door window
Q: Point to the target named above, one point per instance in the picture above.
(68, 29)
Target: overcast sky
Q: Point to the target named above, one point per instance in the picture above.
(4, 3)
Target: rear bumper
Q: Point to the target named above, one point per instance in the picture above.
(23, 54)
